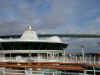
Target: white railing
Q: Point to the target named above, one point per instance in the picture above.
(50, 59)
(5, 71)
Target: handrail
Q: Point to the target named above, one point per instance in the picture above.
(49, 59)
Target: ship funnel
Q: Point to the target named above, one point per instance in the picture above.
(29, 34)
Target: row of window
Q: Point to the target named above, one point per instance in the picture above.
(31, 46)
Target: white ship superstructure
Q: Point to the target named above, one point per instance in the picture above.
(29, 45)
(30, 55)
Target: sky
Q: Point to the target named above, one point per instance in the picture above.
(53, 16)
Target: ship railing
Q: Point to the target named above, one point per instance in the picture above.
(50, 59)
(5, 71)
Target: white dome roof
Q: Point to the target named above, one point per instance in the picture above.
(29, 34)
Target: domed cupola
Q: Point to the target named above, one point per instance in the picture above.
(29, 34)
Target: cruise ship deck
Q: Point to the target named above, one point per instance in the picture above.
(30, 55)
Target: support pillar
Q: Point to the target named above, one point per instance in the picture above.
(85, 73)
(28, 72)
(47, 55)
(53, 54)
(3, 71)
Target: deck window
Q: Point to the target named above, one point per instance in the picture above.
(31, 46)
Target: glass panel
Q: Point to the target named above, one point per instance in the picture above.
(31, 46)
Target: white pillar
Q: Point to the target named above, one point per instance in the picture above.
(64, 56)
(83, 55)
(85, 72)
(47, 55)
(3, 71)
(94, 70)
(76, 59)
(90, 59)
(28, 72)
(53, 73)
(94, 60)
(53, 54)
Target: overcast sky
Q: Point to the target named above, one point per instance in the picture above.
(53, 16)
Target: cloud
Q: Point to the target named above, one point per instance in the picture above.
(52, 16)
(58, 16)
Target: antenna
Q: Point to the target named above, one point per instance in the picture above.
(29, 27)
